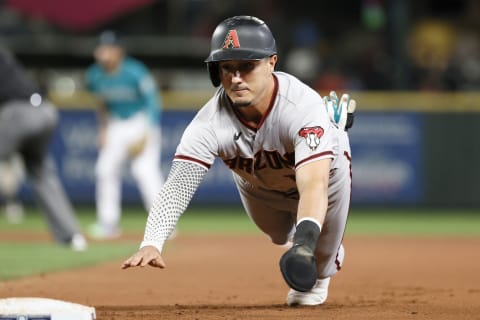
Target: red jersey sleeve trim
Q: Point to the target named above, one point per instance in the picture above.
(186, 158)
(321, 154)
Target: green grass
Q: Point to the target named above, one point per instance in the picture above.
(132, 219)
(370, 222)
(408, 222)
(418, 222)
(24, 258)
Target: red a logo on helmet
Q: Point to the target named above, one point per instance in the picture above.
(231, 40)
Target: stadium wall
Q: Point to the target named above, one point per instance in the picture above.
(411, 149)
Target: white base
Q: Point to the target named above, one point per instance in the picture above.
(23, 308)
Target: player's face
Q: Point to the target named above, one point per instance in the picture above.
(108, 56)
(246, 82)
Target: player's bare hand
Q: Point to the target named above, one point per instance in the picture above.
(148, 255)
(101, 138)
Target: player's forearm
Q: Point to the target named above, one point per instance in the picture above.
(312, 182)
(171, 202)
(313, 203)
(152, 98)
(102, 116)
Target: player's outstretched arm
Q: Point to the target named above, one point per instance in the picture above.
(169, 204)
(148, 255)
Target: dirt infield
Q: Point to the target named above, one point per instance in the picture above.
(237, 277)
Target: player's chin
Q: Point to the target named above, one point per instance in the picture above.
(241, 103)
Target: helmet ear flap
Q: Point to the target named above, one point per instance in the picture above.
(213, 70)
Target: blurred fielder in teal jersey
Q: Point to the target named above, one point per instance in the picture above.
(128, 130)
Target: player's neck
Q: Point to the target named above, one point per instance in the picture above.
(114, 67)
(250, 115)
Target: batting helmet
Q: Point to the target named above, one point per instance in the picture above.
(239, 38)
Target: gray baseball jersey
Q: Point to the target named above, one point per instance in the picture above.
(295, 130)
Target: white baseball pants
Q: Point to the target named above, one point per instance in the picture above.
(121, 135)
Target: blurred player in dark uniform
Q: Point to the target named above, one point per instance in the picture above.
(11, 178)
(27, 122)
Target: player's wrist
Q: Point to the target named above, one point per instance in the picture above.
(156, 244)
(313, 220)
(307, 233)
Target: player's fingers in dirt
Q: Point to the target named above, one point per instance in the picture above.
(157, 263)
(129, 263)
(134, 261)
(146, 256)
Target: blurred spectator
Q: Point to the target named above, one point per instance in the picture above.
(357, 60)
(463, 72)
(331, 78)
(303, 60)
(373, 58)
(431, 45)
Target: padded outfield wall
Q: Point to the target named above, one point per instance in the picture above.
(411, 149)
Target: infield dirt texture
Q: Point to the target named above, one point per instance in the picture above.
(237, 277)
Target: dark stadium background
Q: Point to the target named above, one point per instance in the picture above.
(413, 66)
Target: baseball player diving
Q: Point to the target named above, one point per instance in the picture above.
(289, 152)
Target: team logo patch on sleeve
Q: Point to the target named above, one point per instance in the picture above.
(312, 136)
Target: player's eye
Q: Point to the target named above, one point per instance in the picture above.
(227, 68)
(246, 66)
(242, 67)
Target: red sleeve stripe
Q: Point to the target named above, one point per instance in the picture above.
(321, 154)
(186, 158)
(348, 156)
(337, 263)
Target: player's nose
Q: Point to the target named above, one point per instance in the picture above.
(236, 76)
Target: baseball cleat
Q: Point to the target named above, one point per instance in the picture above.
(78, 243)
(299, 268)
(14, 213)
(316, 296)
(99, 232)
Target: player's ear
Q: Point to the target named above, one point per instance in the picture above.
(272, 61)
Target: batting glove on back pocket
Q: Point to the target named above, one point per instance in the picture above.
(341, 111)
